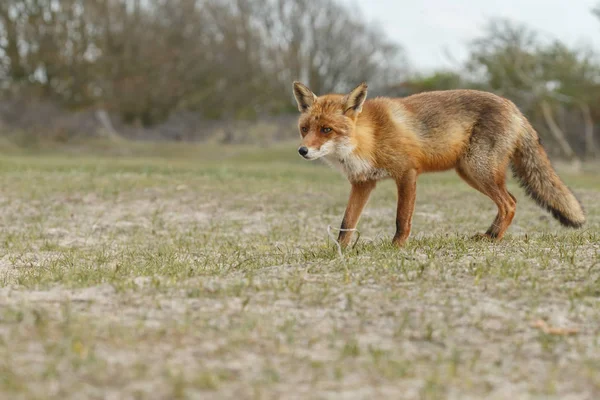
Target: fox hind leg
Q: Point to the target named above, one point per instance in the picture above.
(492, 183)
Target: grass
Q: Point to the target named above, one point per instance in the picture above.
(206, 272)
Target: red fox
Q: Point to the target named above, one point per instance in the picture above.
(477, 133)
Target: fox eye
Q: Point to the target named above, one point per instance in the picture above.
(325, 130)
(304, 129)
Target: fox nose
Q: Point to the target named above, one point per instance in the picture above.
(303, 151)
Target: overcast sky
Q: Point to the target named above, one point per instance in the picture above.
(426, 28)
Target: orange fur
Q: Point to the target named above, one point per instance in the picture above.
(477, 133)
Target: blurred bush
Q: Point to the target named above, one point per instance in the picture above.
(221, 70)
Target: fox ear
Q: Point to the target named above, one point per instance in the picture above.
(354, 100)
(304, 96)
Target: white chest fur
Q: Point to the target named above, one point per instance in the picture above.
(355, 168)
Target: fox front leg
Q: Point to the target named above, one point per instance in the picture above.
(407, 193)
(359, 196)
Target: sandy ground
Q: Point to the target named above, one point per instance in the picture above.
(191, 282)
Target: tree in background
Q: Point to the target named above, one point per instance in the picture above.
(223, 58)
(552, 84)
(557, 87)
(235, 60)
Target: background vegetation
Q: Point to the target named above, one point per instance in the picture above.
(193, 69)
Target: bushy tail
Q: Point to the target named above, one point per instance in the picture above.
(531, 166)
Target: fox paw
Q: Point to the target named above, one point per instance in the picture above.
(482, 237)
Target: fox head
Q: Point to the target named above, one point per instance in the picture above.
(327, 122)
